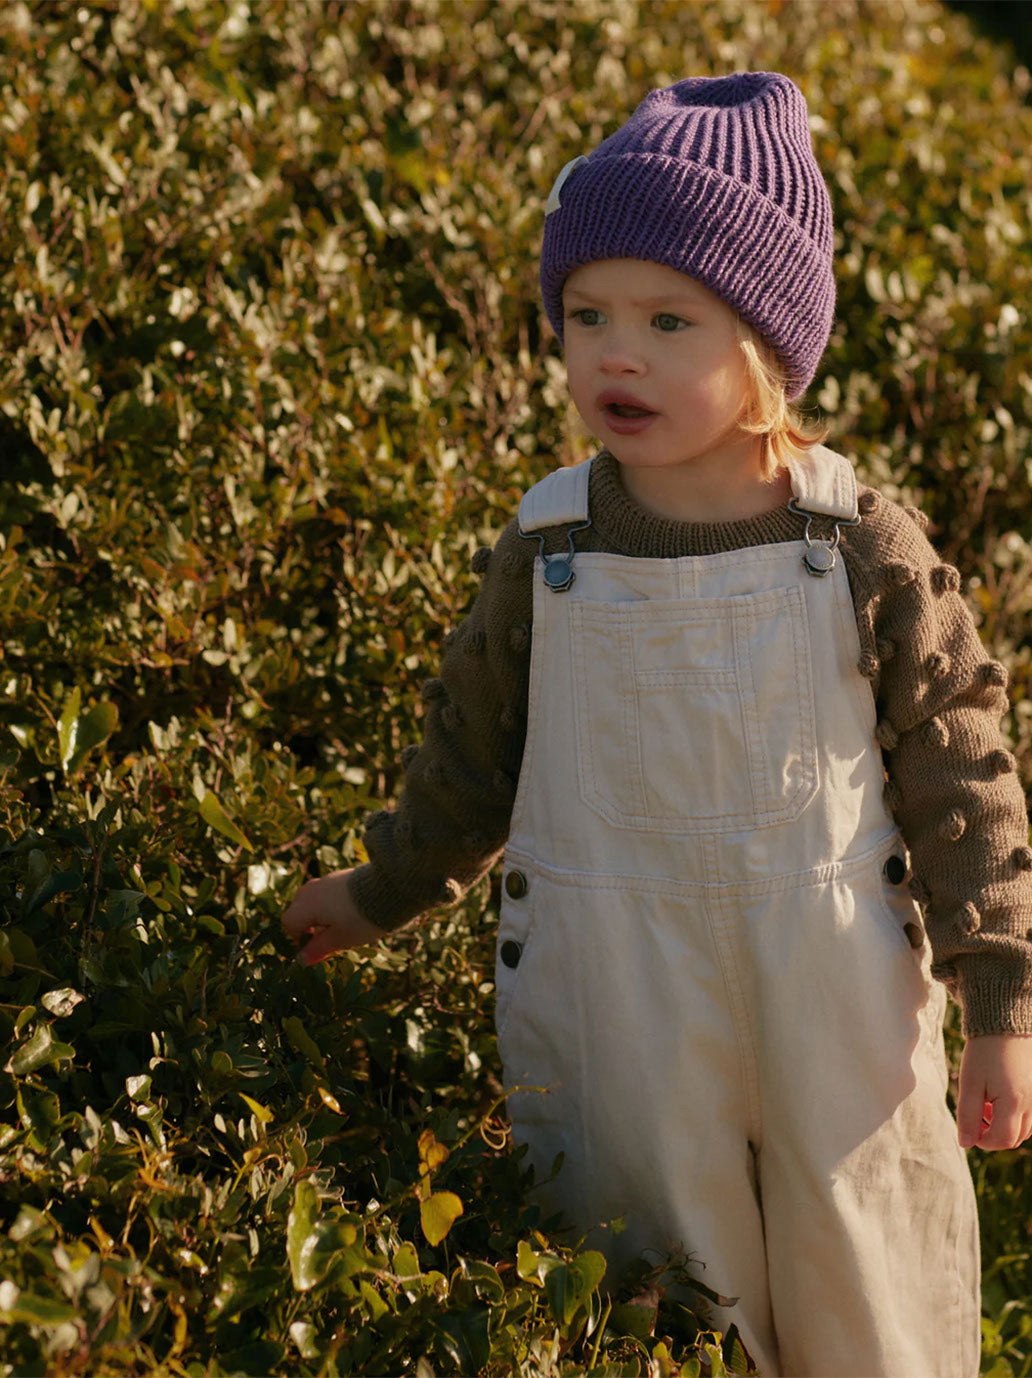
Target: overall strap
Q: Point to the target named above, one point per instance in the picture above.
(561, 496)
(823, 481)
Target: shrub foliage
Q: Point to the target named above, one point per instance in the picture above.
(274, 366)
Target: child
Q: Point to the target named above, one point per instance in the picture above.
(738, 693)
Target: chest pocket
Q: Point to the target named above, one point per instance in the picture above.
(695, 715)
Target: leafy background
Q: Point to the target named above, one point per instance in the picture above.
(273, 366)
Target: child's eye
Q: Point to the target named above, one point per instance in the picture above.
(583, 311)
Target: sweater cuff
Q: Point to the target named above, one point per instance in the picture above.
(384, 903)
(993, 1000)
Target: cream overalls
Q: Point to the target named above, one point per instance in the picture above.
(707, 954)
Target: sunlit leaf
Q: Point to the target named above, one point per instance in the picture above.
(215, 815)
(61, 1002)
(94, 727)
(264, 1115)
(438, 1213)
(68, 727)
(432, 1154)
(41, 1049)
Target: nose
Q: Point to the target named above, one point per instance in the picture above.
(621, 353)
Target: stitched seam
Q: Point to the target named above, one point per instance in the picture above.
(533, 699)
(602, 614)
(724, 942)
(821, 875)
(743, 629)
(806, 717)
(632, 715)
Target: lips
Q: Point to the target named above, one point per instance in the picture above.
(616, 397)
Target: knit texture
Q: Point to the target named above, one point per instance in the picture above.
(714, 177)
(950, 782)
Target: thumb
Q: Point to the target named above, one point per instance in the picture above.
(972, 1104)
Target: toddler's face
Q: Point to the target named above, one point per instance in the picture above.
(667, 341)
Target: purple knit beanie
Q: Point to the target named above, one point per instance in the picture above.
(715, 177)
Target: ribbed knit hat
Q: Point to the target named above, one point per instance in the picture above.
(716, 177)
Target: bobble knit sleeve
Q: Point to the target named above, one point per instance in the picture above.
(952, 785)
(453, 817)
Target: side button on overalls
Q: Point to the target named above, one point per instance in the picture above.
(707, 954)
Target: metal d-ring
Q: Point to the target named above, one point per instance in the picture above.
(559, 573)
(819, 557)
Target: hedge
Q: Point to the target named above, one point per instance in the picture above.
(273, 366)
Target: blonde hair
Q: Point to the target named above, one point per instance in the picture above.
(766, 410)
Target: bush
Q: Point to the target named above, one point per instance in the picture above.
(274, 367)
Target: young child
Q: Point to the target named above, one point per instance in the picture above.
(713, 700)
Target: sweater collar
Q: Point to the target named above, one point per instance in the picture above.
(632, 529)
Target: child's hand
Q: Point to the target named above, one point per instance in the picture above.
(325, 908)
(994, 1104)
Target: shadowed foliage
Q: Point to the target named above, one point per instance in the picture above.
(273, 368)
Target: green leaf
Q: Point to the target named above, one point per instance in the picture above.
(138, 1087)
(299, 1038)
(77, 736)
(40, 1050)
(68, 727)
(438, 1213)
(40, 1113)
(630, 1318)
(527, 1262)
(470, 1345)
(313, 1245)
(406, 1262)
(27, 1013)
(304, 1334)
(61, 1002)
(42, 1310)
(94, 727)
(263, 1114)
(735, 1355)
(485, 1279)
(59, 883)
(299, 1231)
(375, 1304)
(216, 817)
(534, 1267)
(569, 1286)
(244, 1286)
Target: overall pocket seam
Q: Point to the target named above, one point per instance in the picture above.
(614, 619)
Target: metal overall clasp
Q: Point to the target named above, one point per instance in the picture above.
(819, 557)
(559, 573)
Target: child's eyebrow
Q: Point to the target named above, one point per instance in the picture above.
(683, 298)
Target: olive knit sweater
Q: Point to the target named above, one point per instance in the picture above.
(950, 782)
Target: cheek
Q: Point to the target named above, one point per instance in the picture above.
(577, 374)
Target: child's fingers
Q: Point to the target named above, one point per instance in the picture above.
(1008, 1127)
(971, 1109)
(323, 944)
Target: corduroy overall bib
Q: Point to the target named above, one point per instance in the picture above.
(707, 954)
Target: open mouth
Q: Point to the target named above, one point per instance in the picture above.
(621, 409)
